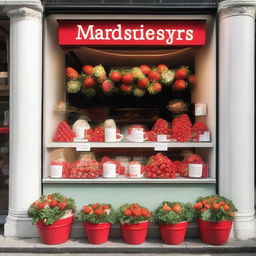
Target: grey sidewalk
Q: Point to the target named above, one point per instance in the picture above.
(192, 246)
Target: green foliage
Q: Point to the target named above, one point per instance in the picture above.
(215, 208)
(165, 216)
(133, 219)
(108, 215)
(43, 209)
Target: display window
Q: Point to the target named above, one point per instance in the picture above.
(130, 107)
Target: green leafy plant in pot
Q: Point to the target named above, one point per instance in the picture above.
(134, 220)
(215, 216)
(53, 214)
(97, 219)
(172, 218)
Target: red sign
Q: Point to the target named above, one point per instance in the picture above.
(101, 32)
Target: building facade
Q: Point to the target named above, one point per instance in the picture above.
(33, 55)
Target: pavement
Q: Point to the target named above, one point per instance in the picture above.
(12, 246)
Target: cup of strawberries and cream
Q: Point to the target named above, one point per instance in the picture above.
(137, 133)
(135, 170)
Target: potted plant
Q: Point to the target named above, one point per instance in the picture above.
(97, 219)
(172, 218)
(215, 215)
(53, 215)
(134, 220)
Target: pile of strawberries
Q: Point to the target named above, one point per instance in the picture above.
(136, 80)
(85, 168)
(63, 133)
(160, 166)
(181, 129)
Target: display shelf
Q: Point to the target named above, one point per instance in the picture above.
(130, 181)
(130, 144)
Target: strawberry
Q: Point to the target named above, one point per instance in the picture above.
(73, 86)
(40, 206)
(115, 76)
(176, 208)
(226, 207)
(142, 83)
(192, 80)
(153, 75)
(53, 203)
(145, 69)
(89, 82)
(215, 206)
(87, 209)
(107, 86)
(179, 85)
(126, 88)
(136, 212)
(198, 206)
(166, 207)
(105, 207)
(71, 73)
(182, 73)
(128, 212)
(144, 212)
(154, 88)
(127, 78)
(88, 70)
(98, 211)
(161, 68)
(62, 205)
(137, 73)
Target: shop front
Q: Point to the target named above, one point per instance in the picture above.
(133, 107)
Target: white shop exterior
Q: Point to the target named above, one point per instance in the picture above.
(236, 109)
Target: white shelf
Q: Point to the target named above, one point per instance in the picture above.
(130, 144)
(128, 180)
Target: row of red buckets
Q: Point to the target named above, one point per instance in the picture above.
(210, 233)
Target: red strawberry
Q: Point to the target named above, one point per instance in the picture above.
(155, 88)
(192, 80)
(98, 211)
(89, 82)
(88, 69)
(182, 73)
(145, 69)
(142, 83)
(115, 76)
(71, 73)
(127, 78)
(154, 75)
(160, 68)
(126, 88)
(107, 85)
(179, 85)
(53, 203)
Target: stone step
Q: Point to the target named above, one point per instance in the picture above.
(33, 245)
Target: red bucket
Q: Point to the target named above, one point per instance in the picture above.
(56, 233)
(174, 233)
(215, 233)
(97, 233)
(135, 233)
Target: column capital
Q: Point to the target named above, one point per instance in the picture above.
(237, 8)
(24, 12)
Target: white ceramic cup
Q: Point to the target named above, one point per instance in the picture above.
(137, 135)
(80, 132)
(109, 170)
(56, 171)
(195, 170)
(135, 171)
(110, 135)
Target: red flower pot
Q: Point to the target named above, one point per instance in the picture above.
(173, 233)
(135, 233)
(97, 233)
(56, 233)
(215, 233)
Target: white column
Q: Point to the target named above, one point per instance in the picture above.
(25, 118)
(236, 110)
